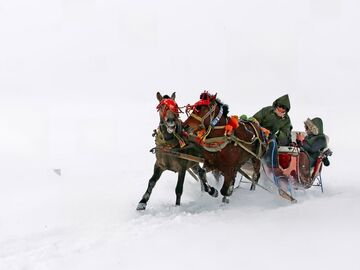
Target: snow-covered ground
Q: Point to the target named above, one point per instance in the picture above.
(78, 82)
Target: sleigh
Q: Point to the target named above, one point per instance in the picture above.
(295, 165)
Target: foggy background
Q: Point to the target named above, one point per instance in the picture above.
(78, 83)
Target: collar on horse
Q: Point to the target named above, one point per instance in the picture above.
(213, 120)
(174, 141)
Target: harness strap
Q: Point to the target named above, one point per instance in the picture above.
(218, 143)
(161, 141)
(241, 143)
(197, 117)
(211, 113)
(255, 138)
(181, 141)
(176, 154)
(219, 127)
(217, 118)
(262, 143)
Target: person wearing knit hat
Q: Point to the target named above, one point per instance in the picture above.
(314, 141)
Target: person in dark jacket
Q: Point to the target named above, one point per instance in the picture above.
(275, 118)
(277, 124)
(315, 140)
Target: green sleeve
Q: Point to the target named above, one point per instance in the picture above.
(284, 134)
(259, 116)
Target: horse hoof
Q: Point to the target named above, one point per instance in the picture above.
(214, 193)
(141, 206)
(225, 200)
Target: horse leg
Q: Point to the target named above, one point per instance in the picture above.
(217, 175)
(228, 186)
(256, 174)
(154, 178)
(204, 183)
(180, 185)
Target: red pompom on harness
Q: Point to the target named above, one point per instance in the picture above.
(202, 102)
(170, 104)
(205, 100)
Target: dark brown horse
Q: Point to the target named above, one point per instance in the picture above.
(227, 154)
(170, 149)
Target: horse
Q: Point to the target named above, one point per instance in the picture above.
(173, 152)
(226, 152)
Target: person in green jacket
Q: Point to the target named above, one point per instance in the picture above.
(314, 141)
(275, 118)
(277, 124)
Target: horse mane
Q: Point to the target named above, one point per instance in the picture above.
(224, 106)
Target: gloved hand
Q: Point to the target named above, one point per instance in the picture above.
(266, 131)
(300, 137)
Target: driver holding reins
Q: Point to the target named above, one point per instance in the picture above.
(277, 125)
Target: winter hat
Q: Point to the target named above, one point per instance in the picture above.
(315, 125)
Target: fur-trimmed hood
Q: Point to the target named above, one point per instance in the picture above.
(315, 125)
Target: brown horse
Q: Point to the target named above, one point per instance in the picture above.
(206, 125)
(169, 150)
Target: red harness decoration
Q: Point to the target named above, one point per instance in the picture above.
(170, 104)
(204, 101)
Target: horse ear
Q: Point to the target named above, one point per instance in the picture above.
(173, 96)
(213, 97)
(159, 96)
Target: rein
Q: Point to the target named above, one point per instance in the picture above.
(211, 113)
(256, 137)
(218, 143)
(160, 139)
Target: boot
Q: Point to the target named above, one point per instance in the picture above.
(278, 172)
(281, 180)
(326, 161)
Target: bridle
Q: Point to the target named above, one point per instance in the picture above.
(168, 104)
(172, 125)
(211, 104)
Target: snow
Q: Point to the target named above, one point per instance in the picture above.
(78, 83)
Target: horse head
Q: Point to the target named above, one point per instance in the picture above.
(208, 111)
(168, 111)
